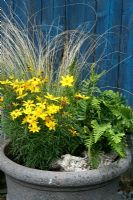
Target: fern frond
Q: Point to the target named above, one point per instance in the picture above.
(99, 130)
(81, 114)
(88, 143)
(119, 149)
(96, 104)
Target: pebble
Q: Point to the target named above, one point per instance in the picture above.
(125, 195)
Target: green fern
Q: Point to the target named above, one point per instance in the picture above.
(81, 114)
(99, 130)
(89, 141)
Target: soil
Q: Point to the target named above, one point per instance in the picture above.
(126, 184)
(2, 197)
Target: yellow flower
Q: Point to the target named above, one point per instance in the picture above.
(22, 96)
(33, 85)
(81, 96)
(1, 99)
(28, 110)
(50, 123)
(43, 115)
(31, 119)
(34, 127)
(38, 98)
(19, 90)
(64, 101)
(67, 81)
(16, 113)
(28, 106)
(29, 103)
(7, 82)
(38, 110)
(17, 84)
(52, 109)
(73, 132)
(51, 97)
(41, 105)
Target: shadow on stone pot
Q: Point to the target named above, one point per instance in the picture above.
(2, 183)
(25, 183)
(2, 176)
(126, 181)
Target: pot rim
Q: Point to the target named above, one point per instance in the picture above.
(63, 179)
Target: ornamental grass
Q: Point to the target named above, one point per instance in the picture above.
(49, 108)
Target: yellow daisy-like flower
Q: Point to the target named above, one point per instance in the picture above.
(38, 110)
(64, 101)
(43, 115)
(28, 106)
(67, 81)
(30, 119)
(33, 85)
(29, 103)
(50, 123)
(81, 96)
(20, 90)
(51, 97)
(52, 109)
(16, 113)
(22, 96)
(34, 127)
(1, 99)
(38, 98)
(17, 84)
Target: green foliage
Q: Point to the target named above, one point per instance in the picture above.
(38, 150)
(88, 119)
(84, 117)
(104, 117)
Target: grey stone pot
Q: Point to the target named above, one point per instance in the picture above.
(2, 176)
(24, 183)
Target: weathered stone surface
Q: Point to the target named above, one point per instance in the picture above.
(2, 176)
(30, 184)
(71, 163)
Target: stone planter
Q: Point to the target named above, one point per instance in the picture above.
(24, 183)
(130, 144)
(2, 176)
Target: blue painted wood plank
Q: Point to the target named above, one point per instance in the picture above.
(35, 12)
(53, 23)
(53, 16)
(6, 6)
(108, 24)
(126, 68)
(20, 11)
(80, 14)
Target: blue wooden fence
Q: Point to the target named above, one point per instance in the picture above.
(116, 16)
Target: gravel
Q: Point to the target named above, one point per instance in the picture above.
(126, 195)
